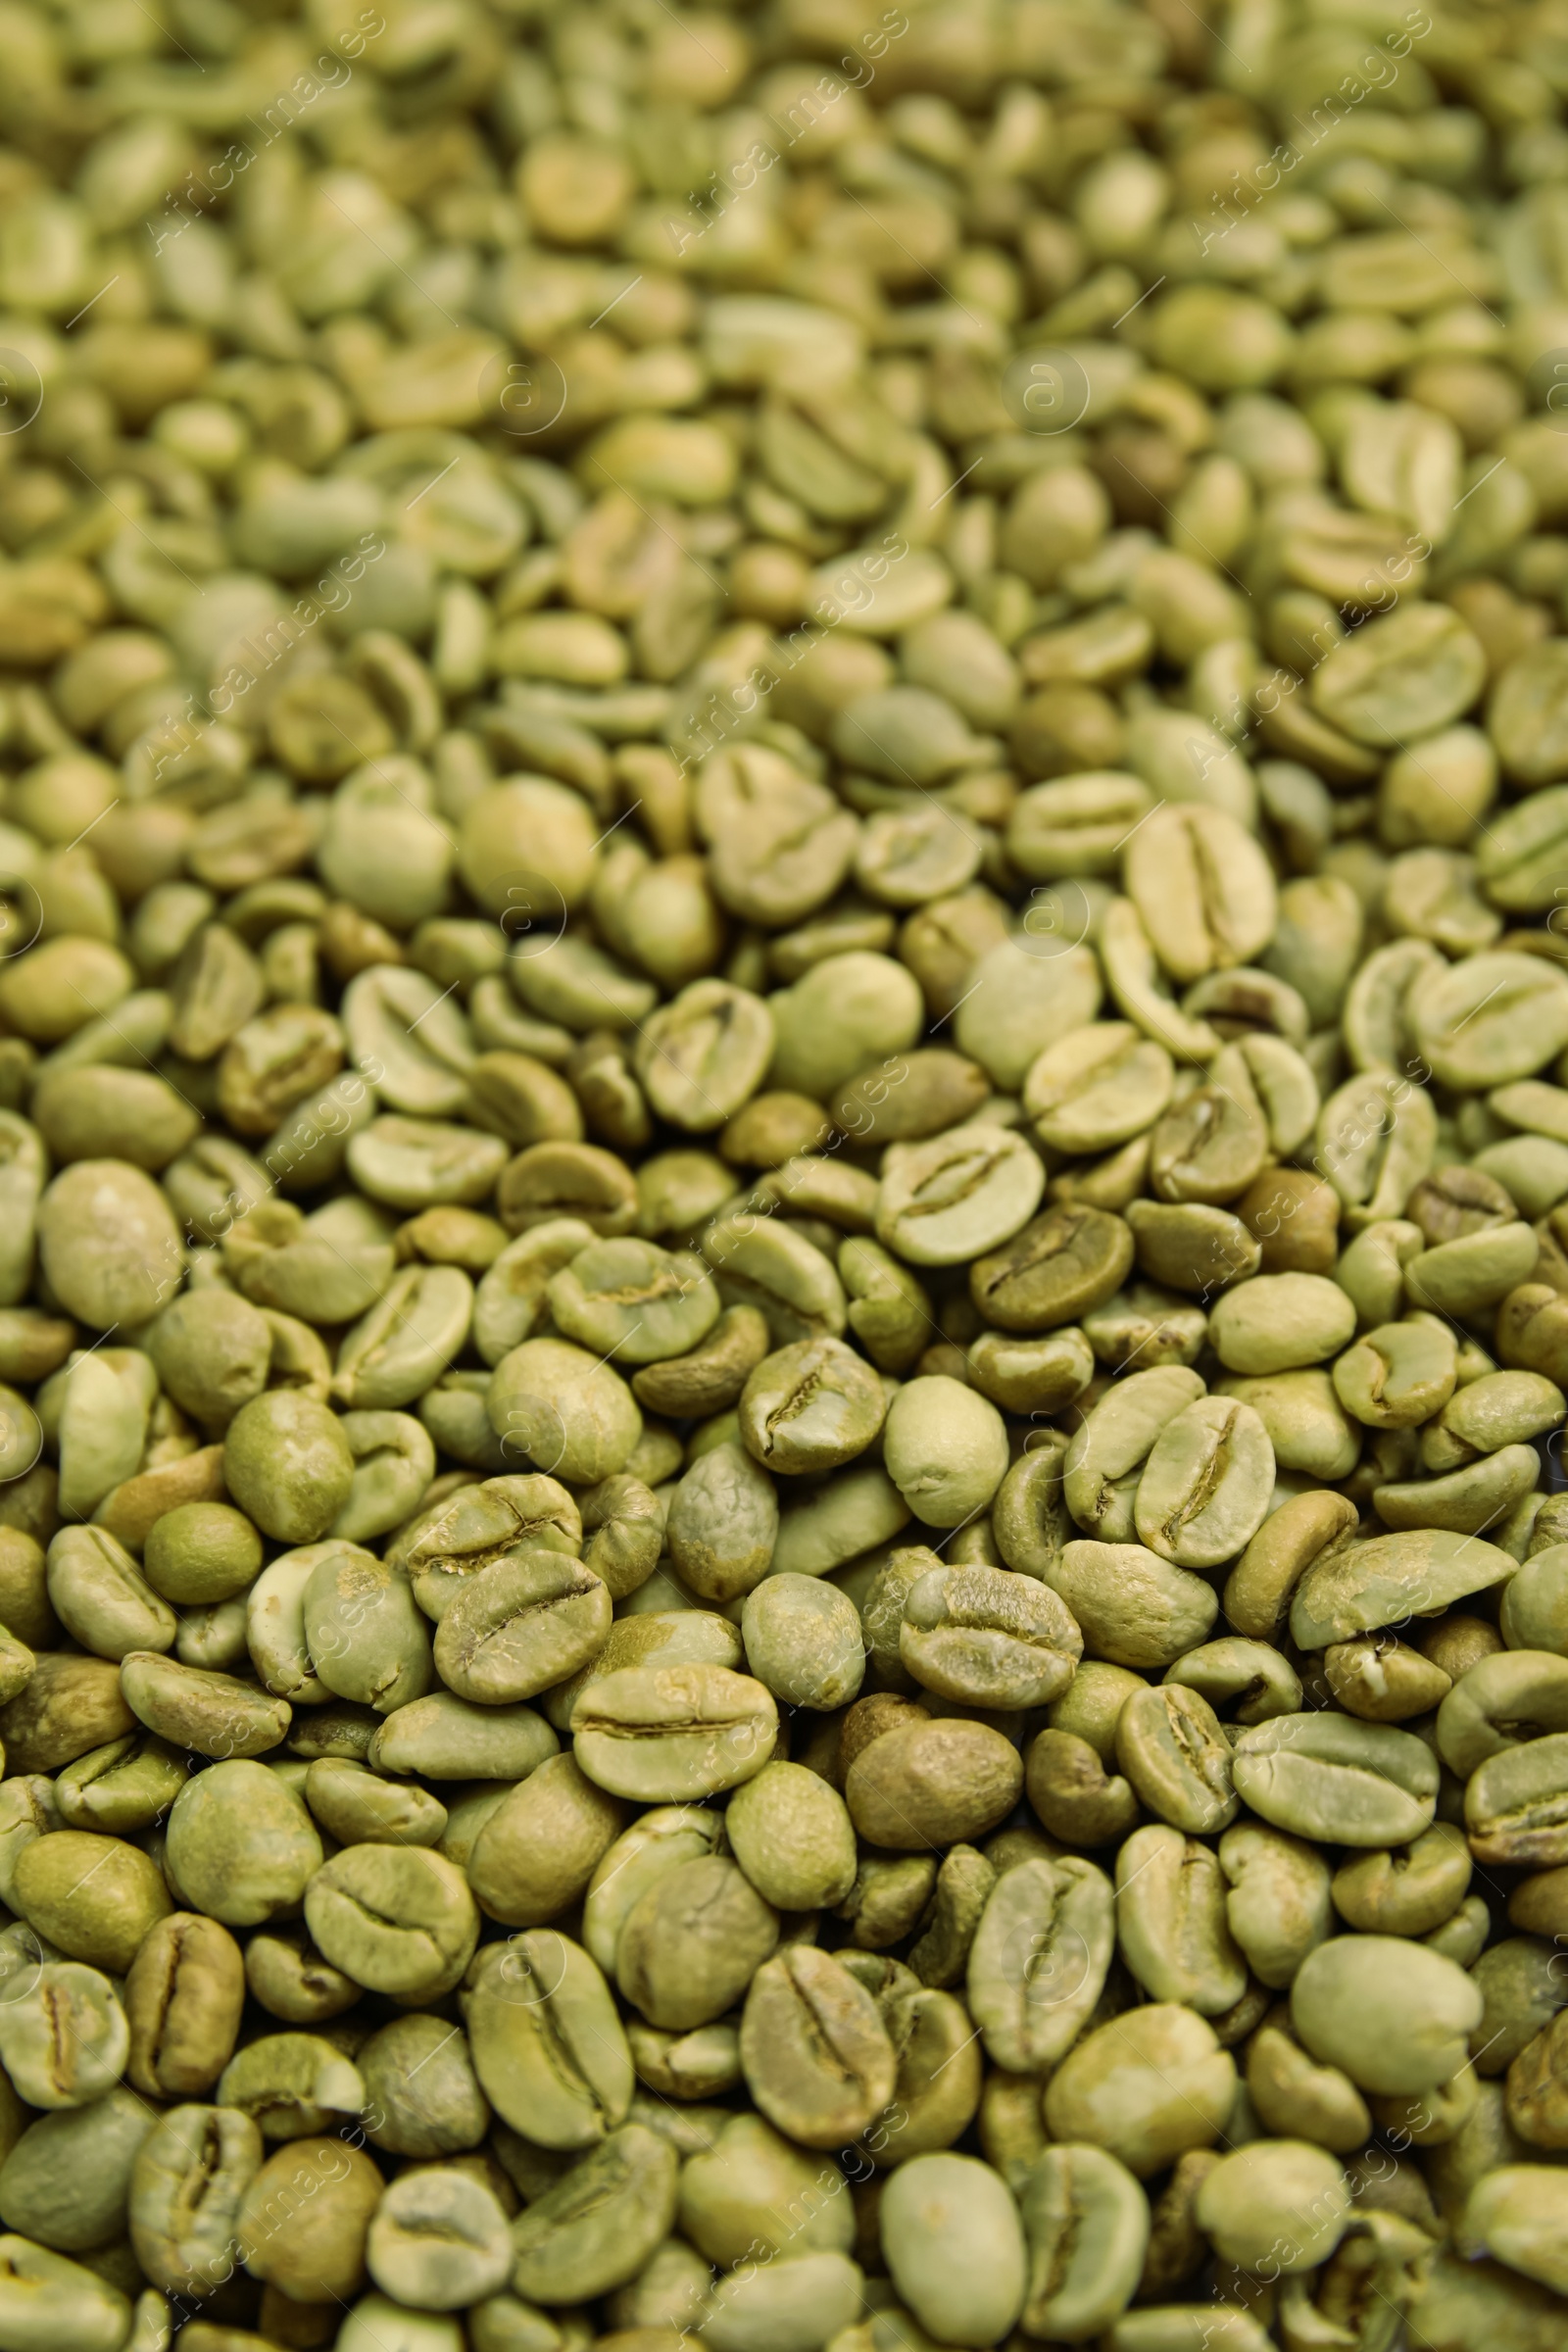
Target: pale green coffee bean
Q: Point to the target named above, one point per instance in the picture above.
(946, 1200)
(355, 1806)
(1086, 2222)
(1171, 1924)
(393, 1353)
(524, 1623)
(1516, 2215)
(792, 1836)
(108, 1244)
(986, 1638)
(954, 2247)
(658, 1841)
(438, 2241)
(623, 1523)
(123, 1787)
(1188, 1245)
(1029, 1517)
(1097, 1087)
(1212, 1142)
(1466, 1500)
(546, 2043)
(102, 1429)
(1501, 1702)
(241, 1846)
(54, 2305)
(1276, 1322)
(67, 2180)
(701, 1056)
(677, 1635)
(397, 1920)
(101, 1598)
(1171, 1747)
(803, 1642)
(1062, 1264)
(1397, 1375)
(1500, 1408)
(809, 1407)
(411, 1165)
(1206, 1485)
(1031, 1376)
(1476, 1270)
(633, 1300)
(675, 1734)
(788, 2306)
(511, 1294)
(1409, 1891)
(1490, 1019)
(28, 1809)
(1298, 2099)
(394, 1462)
(750, 2195)
(421, 1047)
(63, 2037)
(1340, 1782)
(444, 1739)
(1106, 1458)
(50, 1881)
(1253, 1674)
(1522, 1998)
(189, 2183)
(287, 1465)
(815, 2054)
(423, 2096)
(469, 1531)
(1134, 1609)
(330, 1267)
(1076, 1799)
(558, 1407)
(1039, 1960)
(1534, 1614)
(1410, 672)
(1514, 1807)
(1363, 1587)
(691, 1942)
(722, 1524)
(598, 2226)
(1075, 824)
(216, 1715)
(764, 1264)
(367, 1637)
(932, 1783)
(1278, 2202)
(275, 1616)
(202, 1553)
(1203, 888)
(1145, 2088)
(1279, 1908)
(1376, 1136)
(945, 1450)
(1391, 2013)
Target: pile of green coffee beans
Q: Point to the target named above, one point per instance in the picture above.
(783, 1176)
